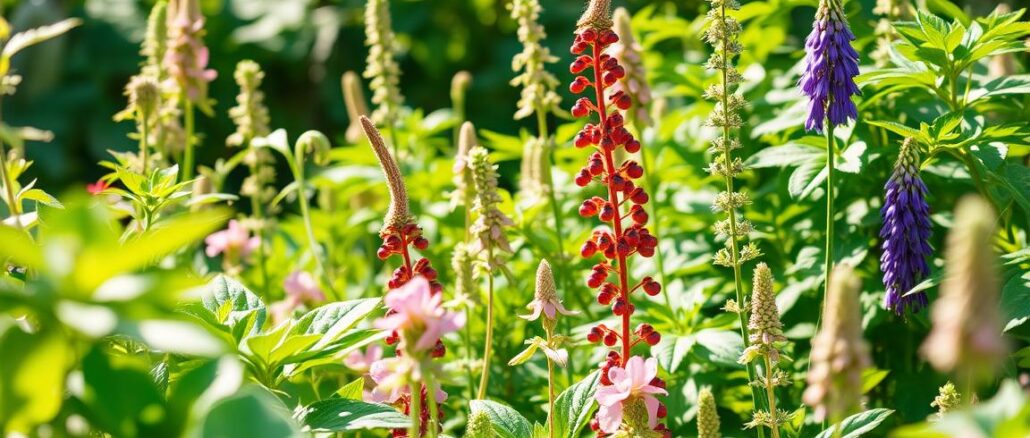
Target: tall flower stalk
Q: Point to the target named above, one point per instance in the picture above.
(463, 255)
(635, 410)
(382, 68)
(490, 244)
(144, 100)
(766, 339)
(186, 60)
(906, 233)
(723, 32)
(547, 304)
(400, 233)
(831, 65)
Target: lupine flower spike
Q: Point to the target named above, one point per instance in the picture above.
(707, 416)
(399, 234)
(905, 233)
(766, 337)
(831, 65)
(839, 354)
(966, 338)
(628, 383)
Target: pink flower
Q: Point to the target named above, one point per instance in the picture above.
(234, 241)
(362, 362)
(628, 383)
(391, 376)
(301, 287)
(416, 310)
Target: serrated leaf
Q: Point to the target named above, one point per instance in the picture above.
(574, 407)
(858, 424)
(506, 421)
(334, 319)
(341, 414)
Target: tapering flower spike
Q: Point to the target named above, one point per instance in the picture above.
(707, 416)
(491, 222)
(545, 300)
(905, 232)
(839, 354)
(381, 67)
(398, 216)
(155, 41)
(625, 233)
(186, 57)
(250, 113)
(764, 326)
(354, 99)
(966, 338)
(831, 64)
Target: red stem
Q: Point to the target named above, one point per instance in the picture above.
(613, 199)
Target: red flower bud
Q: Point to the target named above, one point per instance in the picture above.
(588, 208)
(607, 212)
(588, 250)
(638, 196)
(610, 339)
(421, 243)
(608, 37)
(383, 253)
(583, 178)
(639, 215)
(632, 146)
(653, 338)
(651, 287)
(579, 84)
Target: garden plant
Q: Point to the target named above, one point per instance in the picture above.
(517, 219)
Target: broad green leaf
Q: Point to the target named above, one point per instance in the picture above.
(32, 378)
(341, 414)
(352, 390)
(19, 248)
(790, 154)
(41, 197)
(719, 346)
(121, 395)
(899, 129)
(671, 351)
(574, 406)
(1011, 84)
(858, 424)
(872, 377)
(1015, 301)
(334, 319)
(948, 8)
(506, 422)
(231, 305)
(251, 412)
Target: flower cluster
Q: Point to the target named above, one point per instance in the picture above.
(966, 338)
(399, 234)
(490, 222)
(186, 57)
(839, 354)
(831, 65)
(381, 66)
(707, 416)
(905, 233)
(947, 399)
(765, 334)
(538, 85)
(627, 382)
(250, 114)
(300, 287)
(629, 53)
(234, 243)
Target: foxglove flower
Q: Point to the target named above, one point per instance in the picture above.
(905, 233)
(630, 386)
(966, 338)
(831, 65)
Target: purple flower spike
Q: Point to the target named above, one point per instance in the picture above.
(831, 65)
(905, 233)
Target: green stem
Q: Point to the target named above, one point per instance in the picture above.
(144, 148)
(9, 188)
(187, 159)
(830, 156)
(484, 377)
(305, 212)
(771, 394)
(550, 388)
(415, 410)
(257, 211)
(431, 426)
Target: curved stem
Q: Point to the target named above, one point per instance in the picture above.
(770, 393)
(187, 158)
(484, 377)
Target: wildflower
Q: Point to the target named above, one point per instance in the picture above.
(839, 354)
(707, 417)
(415, 309)
(489, 226)
(546, 298)
(381, 67)
(392, 377)
(155, 41)
(764, 326)
(461, 263)
(625, 233)
(354, 99)
(186, 57)
(98, 187)
(362, 362)
(947, 400)
(479, 425)
(629, 53)
(905, 233)
(535, 171)
(631, 384)
(234, 242)
(300, 286)
(538, 85)
(966, 335)
(144, 98)
(250, 114)
(831, 65)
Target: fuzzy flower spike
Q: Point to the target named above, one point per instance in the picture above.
(187, 56)
(905, 233)
(546, 300)
(831, 65)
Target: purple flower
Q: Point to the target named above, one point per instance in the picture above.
(831, 65)
(905, 233)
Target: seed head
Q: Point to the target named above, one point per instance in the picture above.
(479, 425)
(354, 99)
(597, 16)
(381, 67)
(398, 214)
(250, 114)
(707, 417)
(490, 224)
(839, 354)
(765, 328)
(966, 335)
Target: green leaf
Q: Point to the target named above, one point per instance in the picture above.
(671, 351)
(228, 304)
(19, 248)
(333, 320)
(899, 129)
(574, 407)
(21, 40)
(1015, 301)
(506, 422)
(352, 390)
(858, 424)
(121, 394)
(341, 414)
(32, 376)
(872, 377)
(790, 154)
(719, 346)
(41, 197)
(251, 412)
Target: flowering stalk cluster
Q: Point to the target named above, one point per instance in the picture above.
(831, 65)
(905, 232)
(166, 132)
(765, 339)
(381, 66)
(186, 60)
(628, 383)
(400, 233)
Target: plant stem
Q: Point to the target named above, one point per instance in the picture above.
(144, 148)
(431, 426)
(9, 186)
(305, 212)
(415, 410)
(257, 211)
(830, 171)
(738, 283)
(484, 377)
(550, 387)
(771, 394)
(187, 159)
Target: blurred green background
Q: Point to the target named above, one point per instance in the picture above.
(74, 85)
